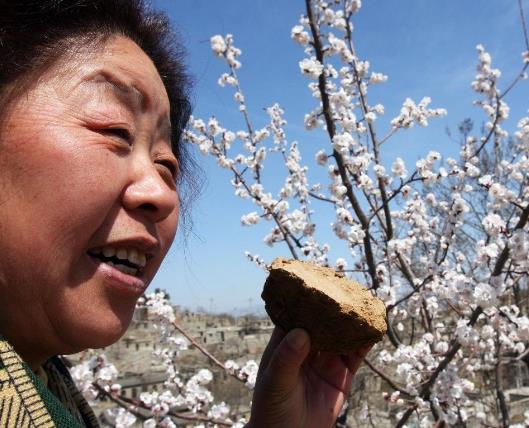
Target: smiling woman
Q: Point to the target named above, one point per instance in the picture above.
(93, 98)
(84, 138)
(92, 179)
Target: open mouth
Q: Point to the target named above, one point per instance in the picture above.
(127, 260)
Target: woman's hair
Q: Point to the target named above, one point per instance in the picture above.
(35, 34)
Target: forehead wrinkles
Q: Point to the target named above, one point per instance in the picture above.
(120, 63)
(127, 92)
(123, 57)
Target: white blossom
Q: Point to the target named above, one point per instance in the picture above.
(370, 117)
(493, 224)
(484, 294)
(219, 411)
(399, 168)
(299, 34)
(119, 417)
(250, 219)
(340, 264)
(378, 78)
(411, 113)
(321, 157)
(311, 67)
(218, 45)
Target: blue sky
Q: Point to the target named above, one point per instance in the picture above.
(426, 47)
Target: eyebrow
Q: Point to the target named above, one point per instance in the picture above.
(128, 92)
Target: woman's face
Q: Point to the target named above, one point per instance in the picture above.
(88, 204)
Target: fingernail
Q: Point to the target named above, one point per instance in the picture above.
(297, 339)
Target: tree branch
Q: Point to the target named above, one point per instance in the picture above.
(389, 381)
(500, 395)
(126, 404)
(204, 351)
(331, 130)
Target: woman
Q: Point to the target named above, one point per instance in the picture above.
(92, 173)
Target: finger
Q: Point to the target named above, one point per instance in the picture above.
(277, 336)
(354, 360)
(364, 350)
(330, 368)
(285, 364)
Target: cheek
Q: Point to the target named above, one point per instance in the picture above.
(72, 189)
(57, 191)
(167, 230)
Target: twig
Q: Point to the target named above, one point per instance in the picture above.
(247, 120)
(321, 198)
(397, 191)
(126, 403)
(121, 401)
(376, 145)
(455, 345)
(406, 416)
(504, 255)
(520, 76)
(286, 234)
(524, 26)
(499, 390)
(493, 127)
(406, 297)
(202, 349)
(389, 381)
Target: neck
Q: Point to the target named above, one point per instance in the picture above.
(33, 359)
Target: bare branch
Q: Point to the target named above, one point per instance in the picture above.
(524, 26)
(130, 405)
(388, 380)
(500, 395)
(204, 351)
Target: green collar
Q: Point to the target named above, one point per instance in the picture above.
(29, 402)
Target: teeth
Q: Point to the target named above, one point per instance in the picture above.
(109, 251)
(122, 254)
(134, 256)
(125, 269)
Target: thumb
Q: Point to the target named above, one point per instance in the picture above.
(284, 366)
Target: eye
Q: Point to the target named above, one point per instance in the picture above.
(170, 166)
(122, 134)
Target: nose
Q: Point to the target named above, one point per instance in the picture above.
(149, 194)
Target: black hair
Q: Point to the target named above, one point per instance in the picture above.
(34, 34)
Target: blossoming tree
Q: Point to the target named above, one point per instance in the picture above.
(454, 316)
(444, 242)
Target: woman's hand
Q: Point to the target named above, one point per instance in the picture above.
(297, 387)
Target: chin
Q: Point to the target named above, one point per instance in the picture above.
(94, 338)
(96, 332)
